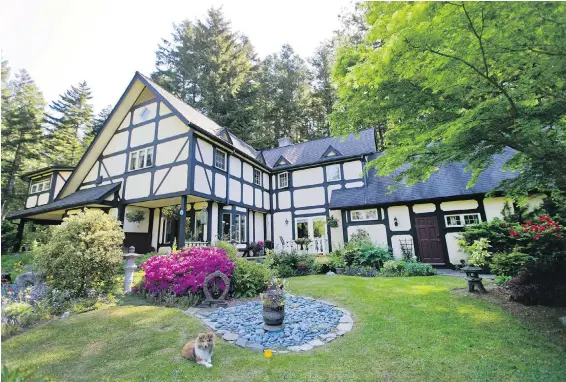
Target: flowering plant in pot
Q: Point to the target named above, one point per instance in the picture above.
(332, 222)
(273, 301)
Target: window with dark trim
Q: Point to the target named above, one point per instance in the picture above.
(141, 159)
(220, 160)
(362, 215)
(40, 185)
(333, 173)
(283, 179)
(257, 177)
(461, 220)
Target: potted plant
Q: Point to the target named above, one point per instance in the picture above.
(273, 301)
(337, 262)
(303, 242)
(332, 222)
(477, 258)
(135, 216)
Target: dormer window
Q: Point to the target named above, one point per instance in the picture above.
(40, 185)
(330, 152)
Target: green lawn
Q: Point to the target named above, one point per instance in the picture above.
(405, 329)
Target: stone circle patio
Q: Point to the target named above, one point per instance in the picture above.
(309, 323)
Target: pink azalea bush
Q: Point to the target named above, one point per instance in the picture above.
(185, 270)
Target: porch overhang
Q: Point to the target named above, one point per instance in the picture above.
(96, 197)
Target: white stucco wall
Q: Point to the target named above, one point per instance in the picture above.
(284, 200)
(220, 185)
(202, 179)
(337, 233)
(493, 207)
(266, 203)
(396, 245)
(455, 205)
(354, 184)
(235, 190)
(113, 212)
(268, 224)
(163, 109)
(308, 177)
(126, 122)
(259, 234)
(31, 201)
(310, 211)
(235, 166)
(331, 188)
(280, 228)
(248, 173)
(92, 174)
(168, 151)
(142, 134)
(454, 252)
(143, 226)
(265, 181)
(248, 194)
(175, 181)
(118, 142)
(170, 127)
(43, 199)
(377, 232)
(155, 228)
(353, 170)
(115, 165)
(206, 153)
(424, 208)
(308, 197)
(138, 186)
(258, 198)
(403, 219)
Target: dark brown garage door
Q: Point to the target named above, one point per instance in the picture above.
(430, 247)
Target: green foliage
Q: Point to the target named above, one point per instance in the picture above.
(20, 312)
(19, 375)
(15, 264)
(361, 251)
(459, 82)
(83, 253)
(508, 264)
(135, 216)
(322, 264)
(477, 252)
(394, 268)
(496, 232)
(502, 280)
(289, 264)
(248, 278)
(360, 270)
(231, 250)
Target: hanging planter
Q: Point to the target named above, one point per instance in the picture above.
(171, 212)
(332, 222)
(135, 216)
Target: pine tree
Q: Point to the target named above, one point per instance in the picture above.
(324, 94)
(73, 118)
(211, 67)
(286, 95)
(97, 125)
(22, 111)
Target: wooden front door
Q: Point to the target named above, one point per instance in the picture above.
(430, 247)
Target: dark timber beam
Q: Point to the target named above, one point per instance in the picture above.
(182, 221)
(19, 235)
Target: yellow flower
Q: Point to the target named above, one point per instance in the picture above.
(267, 353)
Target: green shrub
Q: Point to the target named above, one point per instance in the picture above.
(19, 375)
(477, 252)
(15, 264)
(21, 313)
(508, 264)
(365, 253)
(289, 264)
(322, 264)
(84, 253)
(502, 280)
(337, 259)
(248, 278)
(360, 270)
(230, 249)
(394, 268)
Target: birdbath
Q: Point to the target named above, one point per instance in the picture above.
(130, 268)
(473, 278)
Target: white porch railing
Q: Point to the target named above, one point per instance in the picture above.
(197, 244)
(316, 246)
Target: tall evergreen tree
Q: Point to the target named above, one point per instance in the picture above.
(211, 67)
(73, 118)
(97, 125)
(22, 111)
(286, 93)
(324, 93)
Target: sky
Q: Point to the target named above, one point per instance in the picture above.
(63, 42)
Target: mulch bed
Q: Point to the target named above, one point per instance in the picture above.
(542, 319)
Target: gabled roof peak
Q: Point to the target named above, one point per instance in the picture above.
(330, 152)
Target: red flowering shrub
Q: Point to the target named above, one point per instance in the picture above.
(185, 271)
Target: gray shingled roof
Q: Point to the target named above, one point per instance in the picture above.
(449, 181)
(311, 152)
(93, 195)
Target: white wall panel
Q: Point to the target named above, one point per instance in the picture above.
(168, 151)
(337, 233)
(155, 228)
(353, 170)
(266, 203)
(424, 208)
(138, 186)
(268, 225)
(142, 134)
(248, 173)
(259, 234)
(308, 177)
(235, 166)
(206, 152)
(403, 219)
(201, 181)
(258, 198)
(281, 228)
(284, 200)
(163, 109)
(143, 226)
(454, 252)
(118, 142)
(43, 199)
(459, 205)
(115, 165)
(377, 232)
(354, 184)
(493, 207)
(214, 222)
(92, 174)
(170, 127)
(220, 185)
(152, 108)
(248, 194)
(126, 122)
(310, 211)
(235, 190)
(308, 197)
(265, 181)
(396, 244)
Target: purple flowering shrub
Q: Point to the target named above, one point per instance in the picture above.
(184, 272)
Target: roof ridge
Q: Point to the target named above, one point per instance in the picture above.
(316, 140)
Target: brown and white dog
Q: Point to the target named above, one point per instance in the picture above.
(200, 350)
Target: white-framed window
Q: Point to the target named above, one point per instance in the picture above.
(283, 179)
(141, 159)
(144, 115)
(40, 185)
(257, 177)
(333, 173)
(361, 215)
(239, 234)
(220, 160)
(461, 220)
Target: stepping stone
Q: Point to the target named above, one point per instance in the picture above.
(344, 327)
(330, 337)
(229, 336)
(340, 332)
(241, 342)
(306, 347)
(192, 311)
(294, 348)
(256, 347)
(346, 319)
(316, 343)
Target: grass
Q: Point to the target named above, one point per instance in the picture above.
(405, 329)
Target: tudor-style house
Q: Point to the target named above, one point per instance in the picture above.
(156, 152)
